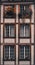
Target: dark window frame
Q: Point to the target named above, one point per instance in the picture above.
(12, 15)
(10, 57)
(26, 13)
(10, 31)
(19, 53)
(29, 30)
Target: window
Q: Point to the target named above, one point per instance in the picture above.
(9, 30)
(9, 11)
(24, 52)
(24, 30)
(9, 52)
(25, 11)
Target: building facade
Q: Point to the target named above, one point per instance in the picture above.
(17, 32)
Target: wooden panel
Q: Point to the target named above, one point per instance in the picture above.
(9, 20)
(24, 62)
(9, 63)
(25, 21)
(24, 40)
(9, 40)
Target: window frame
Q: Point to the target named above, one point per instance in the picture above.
(19, 54)
(25, 31)
(10, 31)
(25, 14)
(10, 57)
(12, 15)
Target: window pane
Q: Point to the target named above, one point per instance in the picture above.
(10, 11)
(27, 52)
(9, 53)
(21, 11)
(21, 53)
(27, 31)
(21, 31)
(9, 30)
(25, 11)
(24, 52)
(6, 52)
(24, 30)
(12, 53)
(6, 30)
(12, 32)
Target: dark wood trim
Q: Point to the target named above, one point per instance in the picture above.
(34, 35)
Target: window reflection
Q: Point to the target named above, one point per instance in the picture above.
(25, 11)
(10, 11)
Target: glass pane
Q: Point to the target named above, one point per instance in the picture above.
(6, 52)
(21, 30)
(27, 31)
(6, 31)
(12, 31)
(25, 11)
(9, 30)
(10, 11)
(21, 53)
(12, 53)
(21, 11)
(27, 52)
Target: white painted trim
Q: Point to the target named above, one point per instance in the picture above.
(1, 13)
(16, 54)
(16, 33)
